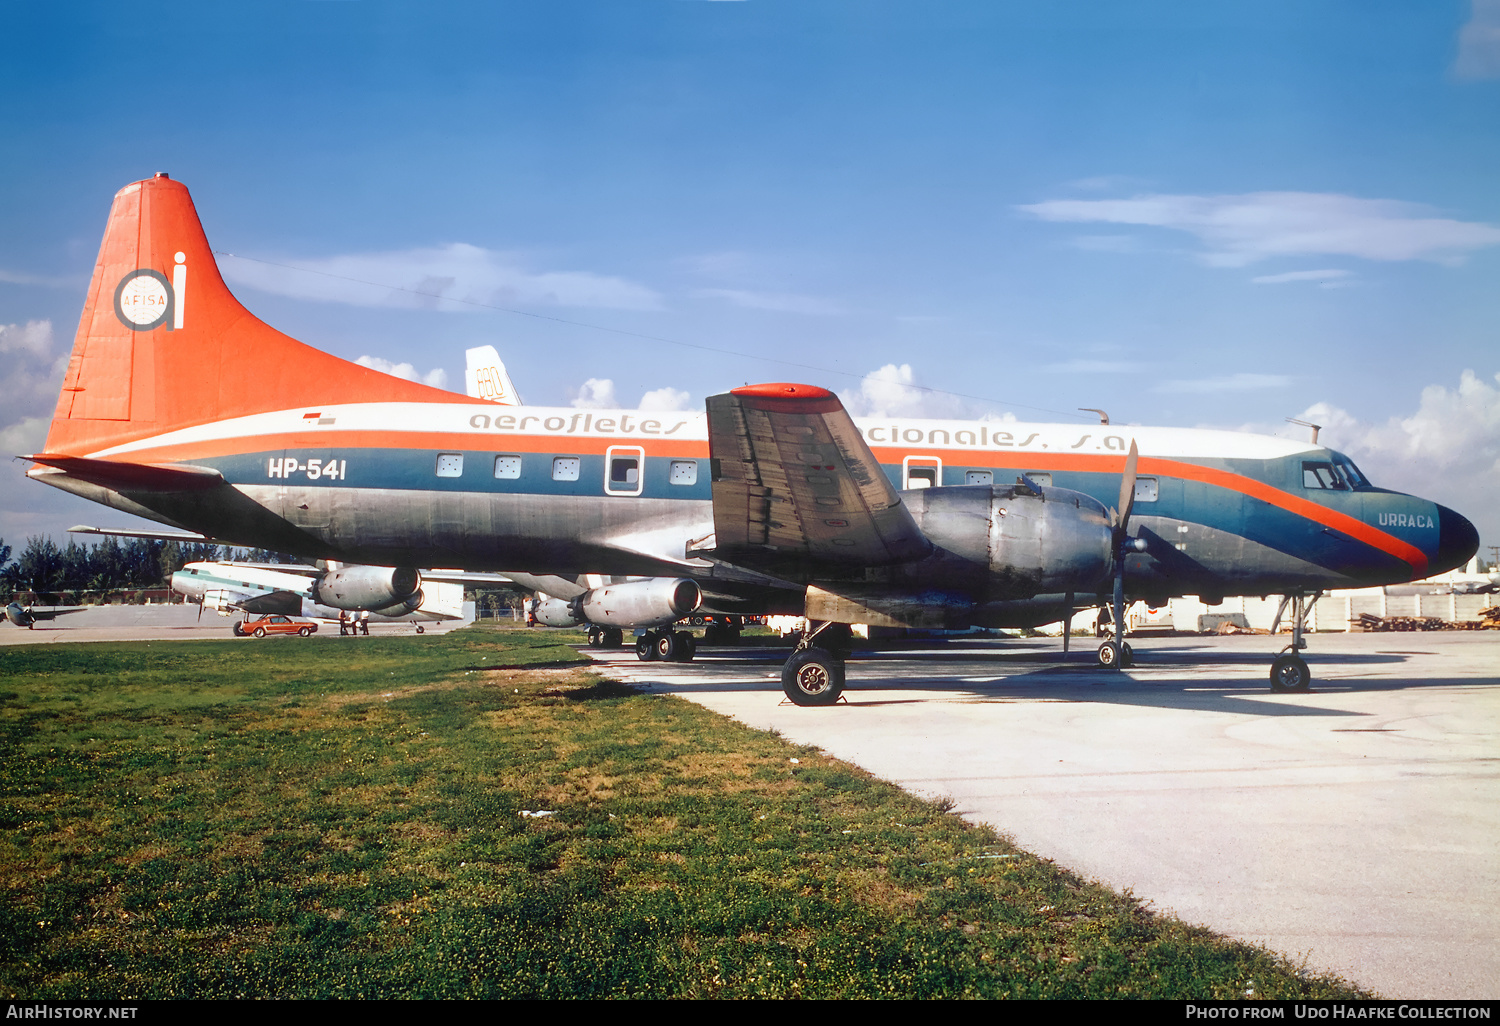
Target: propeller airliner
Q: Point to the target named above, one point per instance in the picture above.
(182, 407)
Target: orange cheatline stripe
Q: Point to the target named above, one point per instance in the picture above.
(1358, 529)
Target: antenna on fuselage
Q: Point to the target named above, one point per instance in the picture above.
(1315, 427)
(1103, 417)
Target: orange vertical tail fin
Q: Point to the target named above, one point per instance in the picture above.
(163, 344)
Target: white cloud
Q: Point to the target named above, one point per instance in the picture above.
(892, 391)
(1240, 230)
(437, 377)
(599, 394)
(452, 278)
(1327, 278)
(1241, 382)
(781, 302)
(1479, 42)
(25, 436)
(33, 375)
(34, 337)
(666, 400)
(1447, 451)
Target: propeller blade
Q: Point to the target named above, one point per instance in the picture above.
(1127, 488)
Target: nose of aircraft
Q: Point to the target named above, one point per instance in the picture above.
(1457, 542)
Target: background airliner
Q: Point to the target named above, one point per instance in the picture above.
(224, 586)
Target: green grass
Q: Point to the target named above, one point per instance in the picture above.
(343, 818)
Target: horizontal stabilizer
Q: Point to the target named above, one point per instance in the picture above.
(134, 477)
(131, 532)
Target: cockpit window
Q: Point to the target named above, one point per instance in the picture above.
(1351, 472)
(1321, 475)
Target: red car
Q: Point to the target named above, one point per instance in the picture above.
(273, 625)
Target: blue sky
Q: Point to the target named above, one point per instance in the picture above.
(1189, 214)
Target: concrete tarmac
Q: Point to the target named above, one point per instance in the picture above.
(1356, 827)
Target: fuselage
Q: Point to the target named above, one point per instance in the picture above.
(567, 491)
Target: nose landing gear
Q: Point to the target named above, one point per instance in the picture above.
(1289, 672)
(667, 645)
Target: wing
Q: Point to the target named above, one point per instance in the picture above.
(796, 489)
(52, 614)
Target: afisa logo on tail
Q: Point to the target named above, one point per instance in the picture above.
(144, 298)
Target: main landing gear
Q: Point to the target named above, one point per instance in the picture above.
(1289, 672)
(605, 637)
(814, 675)
(667, 645)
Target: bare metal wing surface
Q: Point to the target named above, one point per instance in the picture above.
(796, 485)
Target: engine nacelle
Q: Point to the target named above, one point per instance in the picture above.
(650, 602)
(555, 612)
(1000, 552)
(376, 588)
(406, 605)
(1033, 541)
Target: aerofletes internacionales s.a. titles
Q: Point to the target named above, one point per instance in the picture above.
(182, 407)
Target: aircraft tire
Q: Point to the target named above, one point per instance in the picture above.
(813, 677)
(237, 629)
(669, 646)
(421, 629)
(645, 648)
(304, 631)
(1109, 655)
(1289, 673)
(1127, 656)
(614, 638)
(260, 632)
(687, 647)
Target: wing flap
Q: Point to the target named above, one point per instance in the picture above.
(795, 481)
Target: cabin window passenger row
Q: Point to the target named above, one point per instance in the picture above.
(683, 472)
(1146, 489)
(565, 468)
(508, 467)
(450, 464)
